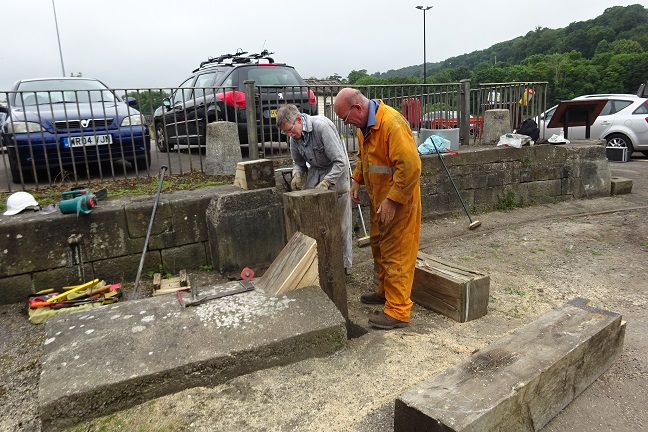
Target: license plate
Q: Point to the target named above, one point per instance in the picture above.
(88, 140)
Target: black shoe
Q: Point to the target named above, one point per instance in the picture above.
(384, 321)
(372, 298)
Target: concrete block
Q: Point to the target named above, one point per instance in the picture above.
(102, 360)
(120, 268)
(520, 382)
(497, 122)
(15, 289)
(255, 174)
(223, 148)
(189, 256)
(620, 185)
(62, 276)
(246, 229)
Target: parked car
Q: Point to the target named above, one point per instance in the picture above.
(216, 91)
(59, 122)
(623, 122)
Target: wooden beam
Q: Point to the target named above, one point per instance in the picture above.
(254, 174)
(314, 213)
(451, 290)
(520, 382)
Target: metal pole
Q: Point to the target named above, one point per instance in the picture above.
(424, 9)
(59, 38)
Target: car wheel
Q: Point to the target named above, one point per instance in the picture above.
(143, 162)
(160, 138)
(15, 168)
(620, 140)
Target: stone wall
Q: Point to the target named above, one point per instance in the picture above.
(219, 226)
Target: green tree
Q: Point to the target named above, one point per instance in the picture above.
(148, 100)
(355, 75)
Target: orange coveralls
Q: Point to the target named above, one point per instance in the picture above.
(390, 167)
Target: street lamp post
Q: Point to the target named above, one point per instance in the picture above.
(58, 38)
(424, 9)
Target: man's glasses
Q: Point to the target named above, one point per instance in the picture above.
(344, 120)
(283, 132)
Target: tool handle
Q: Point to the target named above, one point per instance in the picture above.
(78, 288)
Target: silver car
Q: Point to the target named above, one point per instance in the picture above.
(623, 122)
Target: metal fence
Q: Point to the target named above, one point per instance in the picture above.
(72, 136)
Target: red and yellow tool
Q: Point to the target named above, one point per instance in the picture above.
(50, 300)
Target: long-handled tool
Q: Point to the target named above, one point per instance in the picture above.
(163, 168)
(363, 241)
(474, 224)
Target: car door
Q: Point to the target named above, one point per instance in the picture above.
(175, 117)
(195, 107)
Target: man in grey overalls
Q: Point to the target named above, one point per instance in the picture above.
(319, 161)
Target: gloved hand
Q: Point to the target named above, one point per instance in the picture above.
(324, 184)
(296, 183)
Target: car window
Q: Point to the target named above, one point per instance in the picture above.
(643, 108)
(273, 76)
(205, 80)
(614, 106)
(549, 113)
(183, 93)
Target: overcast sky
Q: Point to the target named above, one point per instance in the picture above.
(157, 43)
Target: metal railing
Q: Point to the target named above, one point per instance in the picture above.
(81, 138)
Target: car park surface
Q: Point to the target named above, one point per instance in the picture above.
(215, 91)
(60, 122)
(622, 123)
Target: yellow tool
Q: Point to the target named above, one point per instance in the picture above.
(73, 289)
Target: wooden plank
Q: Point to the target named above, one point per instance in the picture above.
(291, 265)
(157, 281)
(449, 289)
(520, 382)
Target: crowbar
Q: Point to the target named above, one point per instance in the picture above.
(247, 286)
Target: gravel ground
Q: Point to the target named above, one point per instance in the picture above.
(538, 258)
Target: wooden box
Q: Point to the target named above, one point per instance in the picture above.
(451, 290)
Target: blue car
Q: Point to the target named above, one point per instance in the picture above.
(58, 123)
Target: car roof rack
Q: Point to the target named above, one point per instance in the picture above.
(237, 58)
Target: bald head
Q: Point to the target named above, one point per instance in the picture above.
(352, 106)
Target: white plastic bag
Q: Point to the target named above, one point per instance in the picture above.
(514, 140)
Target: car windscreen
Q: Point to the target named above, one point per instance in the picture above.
(62, 91)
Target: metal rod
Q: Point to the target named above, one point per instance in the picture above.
(163, 168)
(58, 38)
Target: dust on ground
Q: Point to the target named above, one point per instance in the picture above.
(538, 258)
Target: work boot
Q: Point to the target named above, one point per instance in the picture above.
(372, 298)
(384, 321)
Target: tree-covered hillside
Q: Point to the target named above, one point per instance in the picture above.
(603, 55)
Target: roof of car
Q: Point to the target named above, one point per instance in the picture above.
(609, 95)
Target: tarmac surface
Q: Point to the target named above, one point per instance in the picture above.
(538, 257)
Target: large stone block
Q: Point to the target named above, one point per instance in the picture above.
(15, 289)
(520, 382)
(223, 148)
(122, 268)
(246, 229)
(131, 352)
(189, 256)
(497, 122)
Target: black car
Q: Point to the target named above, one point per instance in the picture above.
(215, 91)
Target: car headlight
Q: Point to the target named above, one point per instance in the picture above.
(133, 120)
(23, 127)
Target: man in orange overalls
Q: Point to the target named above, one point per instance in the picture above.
(390, 168)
